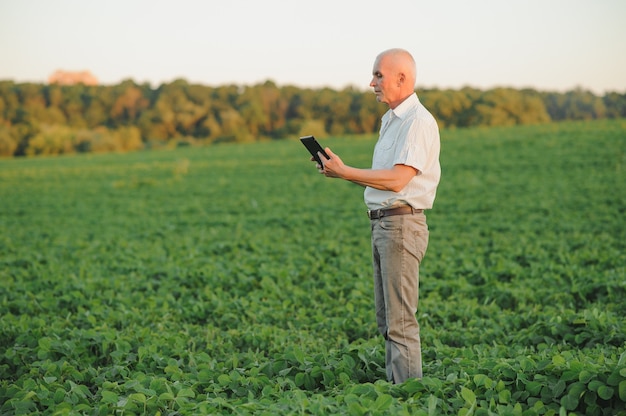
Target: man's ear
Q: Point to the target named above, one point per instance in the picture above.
(401, 78)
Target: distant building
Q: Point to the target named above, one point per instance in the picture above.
(72, 77)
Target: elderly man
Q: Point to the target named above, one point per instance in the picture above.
(401, 184)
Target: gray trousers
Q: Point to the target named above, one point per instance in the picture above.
(398, 247)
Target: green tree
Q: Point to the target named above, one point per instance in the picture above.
(233, 127)
(341, 118)
(313, 128)
(52, 140)
(615, 104)
(73, 105)
(128, 138)
(8, 143)
(11, 103)
(506, 106)
(128, 105)
(448, 106)
(577, 104)
(125, 116)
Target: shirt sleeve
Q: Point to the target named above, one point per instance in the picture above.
(419, 136)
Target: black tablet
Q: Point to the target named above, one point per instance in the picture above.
(313, 147)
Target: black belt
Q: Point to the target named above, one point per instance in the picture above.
(403, 210)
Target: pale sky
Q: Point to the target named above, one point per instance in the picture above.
(549, 45)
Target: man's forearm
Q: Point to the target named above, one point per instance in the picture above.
(394, 179)
(383, 179)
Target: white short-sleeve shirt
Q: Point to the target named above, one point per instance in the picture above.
(409, 135)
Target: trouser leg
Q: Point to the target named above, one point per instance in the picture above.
(398, 246)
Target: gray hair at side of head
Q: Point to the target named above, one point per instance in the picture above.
(407, 60)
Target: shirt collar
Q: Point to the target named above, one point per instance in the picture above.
(405, 105)
(401, 110)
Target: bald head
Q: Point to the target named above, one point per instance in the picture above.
(393, 76)
(402, 61)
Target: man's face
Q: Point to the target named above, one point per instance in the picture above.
(384, 81)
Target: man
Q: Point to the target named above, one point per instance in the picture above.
(401, 184)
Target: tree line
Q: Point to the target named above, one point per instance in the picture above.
(42, 119)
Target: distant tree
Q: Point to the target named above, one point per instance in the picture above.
(2, 110)
(341, 119)
(101, 140)
(615, 105)
(8, 143)
(74, 106)
(583, 105)
(128, 138)
(577, 104)
(97, 114)
(11, 103)
(275, 105)
(251, 107)
(210, 128)
(33, 102)
(48, 119)
(233, 127)
(449, 107)
(368, 112)
(298, 107)
(128, 105)
(53, 95)
(506, 106)
(52, 140)
(313, 128)
(227, 94)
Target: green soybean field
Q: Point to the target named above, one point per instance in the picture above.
(235, 279)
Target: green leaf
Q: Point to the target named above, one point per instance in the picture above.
(382, 403)
(614, 378)
(329, 378)
(356, 409)
(622, 390)
(166, 397)
(413, 386)
(109, 396)
(605, 392)
(526, 364)
(223, 379)
(504, 396)
(309, 382)
(480, 380)
(432, 405)
(594, 385)
(82, 408)
(299, 354)
(569, 402)
(316, 371)
(534, 387)
(137, 397)
(468, 395)
(558, 360)
(576, 389)
(558, 388)
(585, 376)
(186, 393)
(59, 395)
(299, 379)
